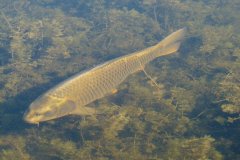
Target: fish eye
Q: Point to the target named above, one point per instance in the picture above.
(37, 114)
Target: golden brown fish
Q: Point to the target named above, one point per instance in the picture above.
(71, 96)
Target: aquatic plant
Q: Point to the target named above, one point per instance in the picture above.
(12, 147)
(193, 148)
(192, 114)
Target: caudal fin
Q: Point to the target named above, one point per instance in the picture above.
(171, 43)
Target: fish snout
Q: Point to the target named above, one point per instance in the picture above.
(28, 118)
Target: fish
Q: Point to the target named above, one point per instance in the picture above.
(71, 96)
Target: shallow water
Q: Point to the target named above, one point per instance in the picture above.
(192, 113)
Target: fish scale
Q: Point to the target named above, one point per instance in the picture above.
(73, 94)
(110, 75)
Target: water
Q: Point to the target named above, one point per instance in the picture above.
(194, 114)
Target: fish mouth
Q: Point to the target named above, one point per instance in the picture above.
(28, 119)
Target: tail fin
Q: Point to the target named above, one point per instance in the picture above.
(171, 43)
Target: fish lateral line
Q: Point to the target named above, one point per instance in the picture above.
(72, 95)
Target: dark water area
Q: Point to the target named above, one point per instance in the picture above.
(193, 112)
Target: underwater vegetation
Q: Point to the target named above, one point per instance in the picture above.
(191, 112)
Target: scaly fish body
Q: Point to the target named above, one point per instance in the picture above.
(71, 96)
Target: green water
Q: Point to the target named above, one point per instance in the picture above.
(193, 113)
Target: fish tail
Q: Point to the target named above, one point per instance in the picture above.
(171, 43)
(169, 49)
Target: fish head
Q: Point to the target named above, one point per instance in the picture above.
(47, 108)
